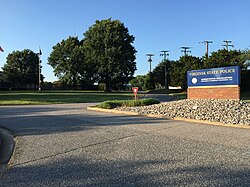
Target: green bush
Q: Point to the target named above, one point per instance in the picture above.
(127, 103)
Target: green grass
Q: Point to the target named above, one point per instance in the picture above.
(58, 97)
(128, 103)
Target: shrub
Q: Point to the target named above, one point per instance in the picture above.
(127, 103)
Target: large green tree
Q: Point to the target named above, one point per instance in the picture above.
(223, 58)
(179, 70)
(67, 59)
(21, 68)
(108, 49)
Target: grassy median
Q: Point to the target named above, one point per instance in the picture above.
(127, 103)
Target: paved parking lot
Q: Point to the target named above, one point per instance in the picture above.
(67, 145)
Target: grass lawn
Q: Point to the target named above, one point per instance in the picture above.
(58, 97)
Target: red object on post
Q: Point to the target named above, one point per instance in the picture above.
(135, 90)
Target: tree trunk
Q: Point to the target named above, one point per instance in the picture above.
(108, 85)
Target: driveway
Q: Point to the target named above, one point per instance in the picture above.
(67, 145)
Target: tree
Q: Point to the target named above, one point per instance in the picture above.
(223, 58)
(178, 74)
(138, 81)
(160, 70)
(245, 70)
(67, 59)
(21, 68)
(108, 49)
(245, 59)
(149, 83)
(144, 82)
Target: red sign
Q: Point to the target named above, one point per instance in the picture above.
(135, 90)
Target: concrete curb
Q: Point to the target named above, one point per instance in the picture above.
(6, 149)
(161, 116)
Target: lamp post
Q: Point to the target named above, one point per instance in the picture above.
(150, 60)
(39, 69)
(165, 54)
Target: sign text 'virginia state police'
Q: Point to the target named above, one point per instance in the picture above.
(214, 77)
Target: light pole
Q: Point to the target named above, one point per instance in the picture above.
(39, 69)
(150, 60)
(165, 54)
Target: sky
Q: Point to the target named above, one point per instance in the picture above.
(156, 25)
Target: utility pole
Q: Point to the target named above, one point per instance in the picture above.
(206, 42)
(185, 50)
(150, 61)
(39, 69)
(165, 54)
(227, 44)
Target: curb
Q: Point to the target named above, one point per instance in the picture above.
(6, 149)
(161, 116)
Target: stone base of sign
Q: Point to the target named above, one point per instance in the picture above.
(214, 92)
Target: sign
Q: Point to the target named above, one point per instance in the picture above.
(214, 77)
(135, 90)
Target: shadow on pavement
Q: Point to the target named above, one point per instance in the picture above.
(124, 173)
(49, 120)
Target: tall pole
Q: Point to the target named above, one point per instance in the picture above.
(165, 54)
(39, 70)
(150, 61)
(185, 50)
(206, 42)
(227, 44)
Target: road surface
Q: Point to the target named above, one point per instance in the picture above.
(67, 145)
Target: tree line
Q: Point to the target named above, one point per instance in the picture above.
(177, 69)
(105, 55)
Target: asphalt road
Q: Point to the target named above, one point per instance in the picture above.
(67, 145)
